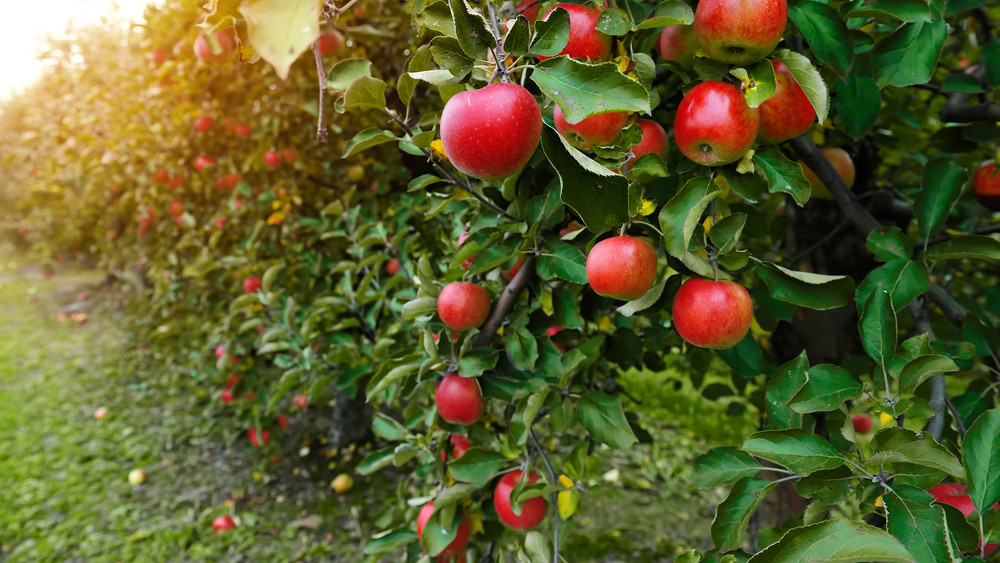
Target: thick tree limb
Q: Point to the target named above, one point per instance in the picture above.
(506, 303)
(939, 388)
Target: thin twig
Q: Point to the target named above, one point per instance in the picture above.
(954, 413)
(506, 302)
(321, 133)
(498, 55)
(815, 246)
(555, 496)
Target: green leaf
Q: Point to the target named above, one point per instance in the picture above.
(375, 461)
(280, 31)
(614, 22)
(786, 382)
(437, 16)
(888, 243)
(893, 445)
(387, 428)
(471, 30)
(583, 90)
(732, 517)
(518, 38)
(604, 419)
(551, 33)
(979, 452)
(682, 214)
(968, 247)
(783, 175)
(668, 12)
(600, 197)
(808, 78)
(761, 75)
(345, 72)
(942, 186)
(448, 54)
(721, 466)
(366, 139)
(962, 84)
(726, 233)
(920, 369)
(900, 10)
(564, 261)
(748, 186)
(376, 385)
(815, 291)
(835, 541)
(522, 348)
(421, 182)
(917, 522)
(390, 542)
(827, 387)
(419, 307)
(903, 278)
(476, 466)
(435, 537)
(798, 450)
(858, 101)
(826, 33)
(650, 298)
(365, 92)
(474, 362)
(910, 54)
(877, 327)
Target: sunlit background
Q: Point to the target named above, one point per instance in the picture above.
(24, 29)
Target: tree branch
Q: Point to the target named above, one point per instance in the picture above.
(555, 496)
(939, 388)
(321, 78)
(506, 302)
(989, 111)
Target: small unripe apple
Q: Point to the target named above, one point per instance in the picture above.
(463, 305)
(596, 130)
(862, 423)
(621, 267)
(585, 42)
(203, 50)
(712, 314)
(533, 510)
(457, 545)
(203, 123)
(841, 162)
(342, 483)
(272, 159)
(330, 43)
(137, 476)
(786, 114)
(458, 399)
(251, 284)
(654, 140)
(986, 184)
(739, 31)
(222, 524)
(714, 125)
(492, 132)
(678, 43)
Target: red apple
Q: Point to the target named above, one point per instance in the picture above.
(272, 159)
(176, 207)
(300, 401)
(787, 113)
(596, 130)
(957, 495)
(178, 180)
(712, 314)
(393, 266)
(678, 44)
(223, 524)
(622, 267)
(290, 155)
(203, 123)
(457, 545)
(157, 56)
(203, 50)
(654, 140)
(463, 305)
(714, 124)
(739, 31)
(529, 9)
(282, 422)
(227, 395)
(251, 285)
(986, 184)
(330, 43)
(203, 162)
(242, 130)
(585, 42)
(571, 226)
(509, 274)
(533, 510)
(492, 132)
(862, 423)
(161, 176)
(232, 380)
(220, 351)
(252, 434)
(459, 445)
(841, 162)
(221, 222)
(458, 399)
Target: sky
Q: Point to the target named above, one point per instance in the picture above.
(23, 29)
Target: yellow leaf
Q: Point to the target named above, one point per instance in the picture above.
(475, 522)
(568, 501)
(605, 323)
(885, 418)
(275, 218)
(648, 207)
(500, 331)
(565, 481)
(437, 149)
(707, 224)
(545, 300)
(878, 502)
(745, 165)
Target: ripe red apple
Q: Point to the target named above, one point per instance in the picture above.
(492, 132)
(393, 266)
(252, 434)
(300, 401)
(457, 545)
(678, 44)
(220, 351)
(161, 176)
(862, 423)
(957, 495)
(585, 42)
(986, 184)
(157, 56)
(596, 130)
(203, 50)
(227, 395)
(290, 155)
(223, 524)
(529, 9)
(622, 267)
(330, 43)
(176, 207)
(272, 159)
(841, 162)
(739, 31)
(203, 162)
(203, 123)
(178, 180)
(571, 226)
(712, 314)
(787, 113)
(463, 305)
(714, 124)
(282, 422)
(242, 130)
(533, 510)
(458, 399)
(459, 445)
(654, 140)
(251, 285)
(221, 222)
(509, 274)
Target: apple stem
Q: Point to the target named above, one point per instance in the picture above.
(321, 133)
(621, 231)
(498, 55)
(555, 496)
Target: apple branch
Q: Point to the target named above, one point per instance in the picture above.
(939, 388)
(498, 55)
(506, 303)
(989, 111)
(555, 496)
(321, 78)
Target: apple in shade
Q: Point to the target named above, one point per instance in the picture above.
(739, 31)
(712, 314)
(221, 222)
(596, 130)
(986, 184)
(203, 162)
(786, 114)
(459, 445)
(223, 524)
(176, 207)
(242, 130)
(862, 423)
(491, 133)
(251, 285)
(585, 42)
(529, 9)
(570, 227)
(161, 176)
(178, 180)
(330, 43)
(509, 274)
(654, 140)
(678, 43)
(272, 159)
(463, 305)
(457, 545)
(841, 162)
(957, 495)
(533, 510)
(283, 422)
(203, 123)
(204, 52)
(458, 399)
(264, 436)
(137, 476)
(714, 125)
(622, 267)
